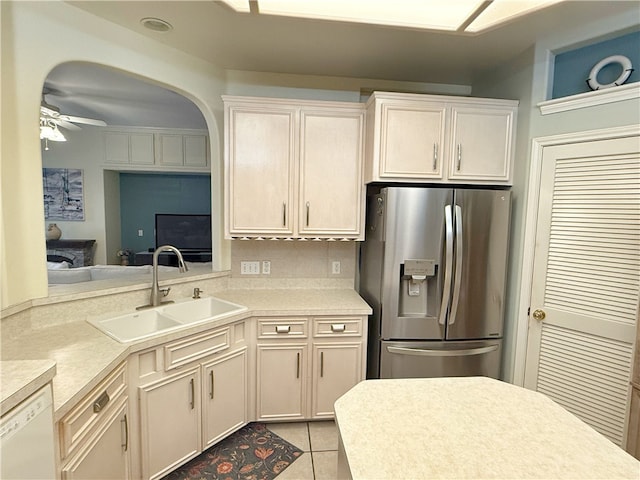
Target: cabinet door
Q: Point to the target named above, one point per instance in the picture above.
(261, 157)
(105, 454)
(170, 422)
(481, 143)
(116, 147)
(336, 369)
(411, 141)
(142, 150)
(281, 374)
(224, 396)
(171, 150)
(195, 150)
(331, 155)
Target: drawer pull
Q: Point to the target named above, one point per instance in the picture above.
(338, 327)
(100, 402)
(283, 328)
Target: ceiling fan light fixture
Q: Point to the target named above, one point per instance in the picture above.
(156, 24)
(49, 131)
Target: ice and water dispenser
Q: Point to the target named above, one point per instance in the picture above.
(418, 289)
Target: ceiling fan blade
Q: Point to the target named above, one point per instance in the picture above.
(87, 121)
(67, 125)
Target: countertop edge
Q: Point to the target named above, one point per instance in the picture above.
(44, 372)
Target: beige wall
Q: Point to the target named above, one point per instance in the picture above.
(36, 37)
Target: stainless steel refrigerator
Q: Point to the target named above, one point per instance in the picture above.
(433, 269)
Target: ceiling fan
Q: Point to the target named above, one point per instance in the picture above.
(51, 118)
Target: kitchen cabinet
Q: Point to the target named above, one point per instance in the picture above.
(94, 436)
(294, 169)
(201, 380)
(439, 139)
(156, 149)
(170, 422)
(290, 385)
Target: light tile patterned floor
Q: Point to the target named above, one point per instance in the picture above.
(318, 441)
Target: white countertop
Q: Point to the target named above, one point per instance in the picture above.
(469, 428)
(83, 355)
(21, 378)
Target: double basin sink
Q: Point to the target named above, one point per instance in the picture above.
(162, 319)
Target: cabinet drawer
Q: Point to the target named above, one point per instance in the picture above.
(337, 327)
(77, 423)
(282, 328)
(194, 348)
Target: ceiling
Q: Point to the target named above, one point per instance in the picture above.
(246, 41)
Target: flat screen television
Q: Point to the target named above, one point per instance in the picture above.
(191, 233)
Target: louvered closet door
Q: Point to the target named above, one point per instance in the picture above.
(586, 280)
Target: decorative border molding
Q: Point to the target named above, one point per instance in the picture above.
(590, 99)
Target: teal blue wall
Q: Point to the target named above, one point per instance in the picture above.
(144, 195)
(572, 68)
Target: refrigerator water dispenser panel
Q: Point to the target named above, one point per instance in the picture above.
(417, 288)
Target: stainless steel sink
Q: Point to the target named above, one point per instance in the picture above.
(203, 309)
(136, 326)
(148, 323)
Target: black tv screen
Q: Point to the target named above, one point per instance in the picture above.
(185, 232)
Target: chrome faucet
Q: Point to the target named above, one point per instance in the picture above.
(155, 288)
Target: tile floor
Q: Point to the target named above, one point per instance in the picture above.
(318, 441)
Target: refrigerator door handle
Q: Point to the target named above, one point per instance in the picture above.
(446, 291)
(442, 353)
(458, 271)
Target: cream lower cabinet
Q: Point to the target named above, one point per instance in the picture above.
(439, 139)
(94, 436)
(192, 393)
(293, 384)
(170, 422)
(293, 168)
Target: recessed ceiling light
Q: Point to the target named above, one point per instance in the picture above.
(463, 16)
(156, 24)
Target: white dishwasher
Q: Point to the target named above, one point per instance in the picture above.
(26, 433)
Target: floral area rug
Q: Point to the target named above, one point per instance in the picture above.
(251, 453)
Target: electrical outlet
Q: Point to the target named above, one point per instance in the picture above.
(335, 268)
(140, 233)
(266, 267)
(250, 268)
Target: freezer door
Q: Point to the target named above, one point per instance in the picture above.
(440, 359)
(414, 262)
(481, 224)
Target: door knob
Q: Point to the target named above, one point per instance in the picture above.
(539, 315)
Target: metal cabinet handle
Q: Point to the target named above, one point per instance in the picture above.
(100, 402)
(192, 403)
(321, 364)
(212, 389)
(435, 156)
(459, 157)
(284, 214)
(125, 445)
(338, 327)
(283, 328)
(298, 365)
(307, 214)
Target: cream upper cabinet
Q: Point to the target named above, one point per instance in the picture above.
(156, 149)
(481, 143)
(439, 139)
(293, 168)
(260, 162)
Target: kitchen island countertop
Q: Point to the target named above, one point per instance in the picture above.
(468, 428)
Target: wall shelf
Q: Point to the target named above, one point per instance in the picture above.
(590, 99)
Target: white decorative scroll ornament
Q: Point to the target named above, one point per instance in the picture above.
(592, 81)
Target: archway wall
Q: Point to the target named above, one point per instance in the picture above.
(36, 37)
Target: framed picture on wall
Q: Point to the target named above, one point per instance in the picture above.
(63, 194)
